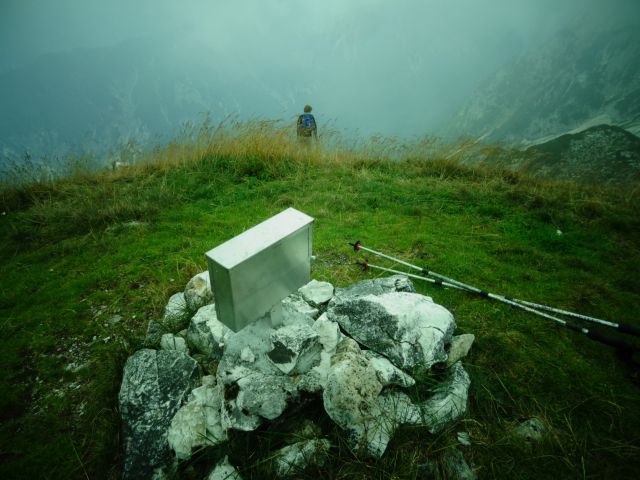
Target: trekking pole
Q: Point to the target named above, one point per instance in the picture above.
(366, 265)
(358, 246)
(622, 327)
(594, 335)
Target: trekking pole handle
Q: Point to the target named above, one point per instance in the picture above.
(630, 329)
(611, 341)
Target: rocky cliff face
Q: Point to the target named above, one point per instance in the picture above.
(577, 80)
(598, 154)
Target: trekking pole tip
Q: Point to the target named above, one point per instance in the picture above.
(356, 245)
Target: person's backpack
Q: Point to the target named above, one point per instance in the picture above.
(306, 124)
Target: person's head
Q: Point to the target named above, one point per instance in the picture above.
(307, 108)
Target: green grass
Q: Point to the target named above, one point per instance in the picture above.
(70, 261)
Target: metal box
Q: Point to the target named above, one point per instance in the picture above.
(254, 271)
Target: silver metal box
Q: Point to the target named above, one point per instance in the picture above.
(254, 271)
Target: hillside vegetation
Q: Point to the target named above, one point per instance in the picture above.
(87, 260)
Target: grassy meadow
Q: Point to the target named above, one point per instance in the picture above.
(89, 258)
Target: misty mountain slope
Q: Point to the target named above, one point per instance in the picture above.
(575, 81)
(87, 262)
(603, 153)
(98, 99)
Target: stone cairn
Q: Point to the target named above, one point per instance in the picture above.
(354, 347)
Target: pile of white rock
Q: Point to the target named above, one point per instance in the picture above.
(354, 347)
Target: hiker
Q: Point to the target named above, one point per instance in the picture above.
(307, 125)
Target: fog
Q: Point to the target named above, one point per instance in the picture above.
(398, 67)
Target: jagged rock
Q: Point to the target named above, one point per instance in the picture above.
(206, 333)
(531, 430)
(175, 309)
(224, 471)
(450, 403)
(264, 395)
(172, 342)
(251, 395)
(352, 386)
(155, 330)
(247, 355)
(316, 293)
(296, 349)
(198, 291)
(375, 286)
(197, 423)
(256, 389)
(427, 469)
(154, 386)
(296, 310)
(329, 333)
(296, 457)
(389, 411)
(407, 328)
(160, 474)
(307, 430)
(460, 346)
(388, 373)
(464, 439)
(456, 467)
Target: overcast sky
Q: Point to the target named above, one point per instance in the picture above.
(382, 57)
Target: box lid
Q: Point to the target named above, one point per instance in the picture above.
(252, 241)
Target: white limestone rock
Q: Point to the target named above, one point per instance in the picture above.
(456, 466)
(176, 308)
(247, 355)
(294, 458)
(224, 471)
(450, 403)
(296, 349)
(329, 333)
(352, 386)
(387, 372)
(198, 291)
(407, 328)
(197, 423)
(389, 411)
(252, 390)
(375, 286)
(155, 330)
(532, 430)
(171, 342)
(460, 346)
(206, 333)
(316, 293)
(154, 386)
(296, 310)
(264, 395)
(464, 439)
(160, 474)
